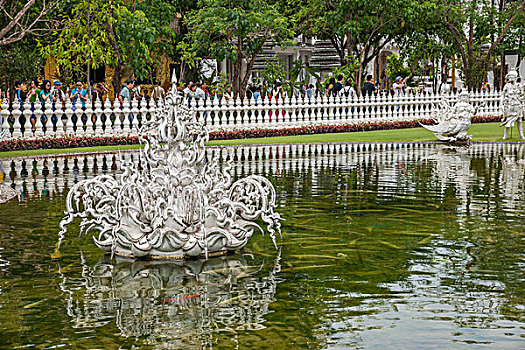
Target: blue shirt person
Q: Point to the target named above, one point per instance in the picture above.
(78, 92)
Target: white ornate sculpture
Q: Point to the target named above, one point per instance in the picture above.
(513, 104)
(453, 122)
(177, 203)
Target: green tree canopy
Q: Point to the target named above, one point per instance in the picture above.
(236, 30)
(117, 33)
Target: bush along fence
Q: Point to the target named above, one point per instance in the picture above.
(86, 141)
(107, 118)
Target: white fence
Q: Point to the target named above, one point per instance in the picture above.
(107, 119)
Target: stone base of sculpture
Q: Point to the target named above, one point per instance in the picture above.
(173, 203)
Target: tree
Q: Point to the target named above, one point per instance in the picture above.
(236, 30)
(19, 61)
(475, 23)
(19, 19)
(115, 33)
(358, 29)
(428, 47)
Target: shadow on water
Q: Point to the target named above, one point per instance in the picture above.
(384, 246)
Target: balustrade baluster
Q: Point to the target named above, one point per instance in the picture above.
(17, 126)
(5, 115)
(143, 112)
(39, 132)
(98, 121)
(89, 118)
(293, 107)
(134, 122)
(59, 126)
(108, 112)
(69, 115)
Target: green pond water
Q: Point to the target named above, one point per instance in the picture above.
(383, 247)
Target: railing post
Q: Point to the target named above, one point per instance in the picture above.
(143, 112)
(69, 117)
(38, 125)
(98, 122)
(108, 126)
(5, 114)
(17, 127)
(133, 127)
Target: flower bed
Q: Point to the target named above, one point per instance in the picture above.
(75, 142)
(66, 142)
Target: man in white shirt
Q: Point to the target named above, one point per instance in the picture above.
(199, 93)
(399, 86)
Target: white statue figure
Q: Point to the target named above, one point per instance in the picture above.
(453, 122)
(176, 203)
(513, 104)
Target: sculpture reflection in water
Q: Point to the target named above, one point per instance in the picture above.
(175, 304)
(453, 122)
(6, 192)
(175, 204)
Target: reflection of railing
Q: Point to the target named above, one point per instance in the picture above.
(105, 119)
(176, 302)
(51, 175)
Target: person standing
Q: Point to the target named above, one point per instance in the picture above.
(20, 95)
(45, 92)
(369, 87)
(125, 93)
(330, 86)
(310, 91)
(399, 86)
(78, 94)
(34, 91)
(99, 93)
(338, 86)
(125, 97)
(158, 92)
(58, 98)
(348, 90)
(58, 94)
(485, 87)
(199, 92)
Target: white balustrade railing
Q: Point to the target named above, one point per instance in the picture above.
(30, 121)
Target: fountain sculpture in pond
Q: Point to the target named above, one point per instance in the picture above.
(176, 204)
(453, 122)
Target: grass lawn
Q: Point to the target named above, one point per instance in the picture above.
(479, 132)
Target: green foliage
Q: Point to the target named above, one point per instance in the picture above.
(273, 71)
(348, 71)
(113, 33)
(395, 67)
(19, 61)
(236, 30)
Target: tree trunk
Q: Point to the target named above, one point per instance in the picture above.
(502, 71)
(359, 78)
(116, 81)
(237, 77)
